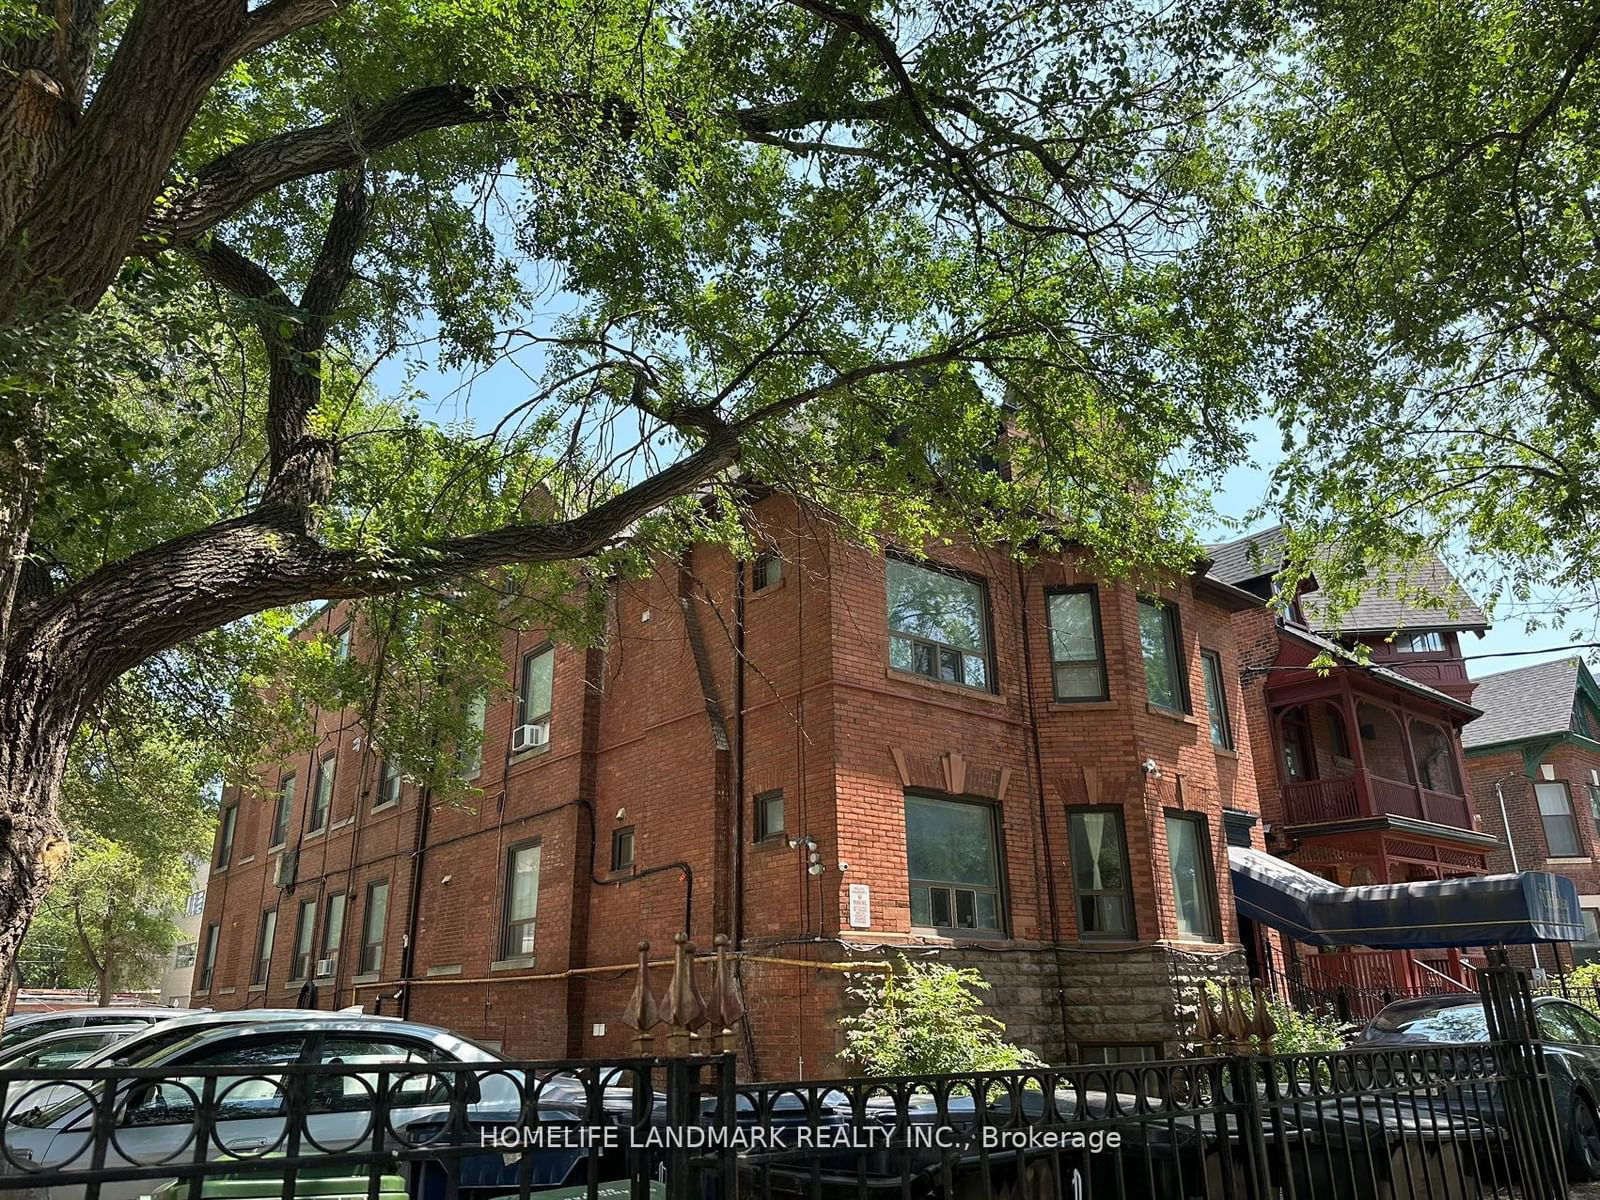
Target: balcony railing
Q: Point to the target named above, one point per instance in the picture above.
(1363, 794)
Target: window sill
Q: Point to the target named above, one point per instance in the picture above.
(1172, 714)
(386, 806)
(313, 834)
(246, 861)
(523, 756)
(257, 987)
(321, 978)
(368, 977)
(277, 847)
(1571, 862)
(437, 972)
(769, 589)
(227, 991)
(520, 963)
(773, 841)
(1224, 752)
(340, 824)
(939, 685)
(955, 936)
(1066, 706)
(620, 873)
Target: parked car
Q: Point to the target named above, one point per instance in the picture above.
(25, 1027)
(149, 1040)
(1571, 1036)
(156, 1119)
(65, 1047)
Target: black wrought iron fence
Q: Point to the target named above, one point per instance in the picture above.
(1406, 1123)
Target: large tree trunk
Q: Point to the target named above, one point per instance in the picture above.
(37, 721)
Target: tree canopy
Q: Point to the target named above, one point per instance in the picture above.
(833, 248)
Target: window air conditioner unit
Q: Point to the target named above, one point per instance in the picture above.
(325, 967)
(526, 737)
(288, 862)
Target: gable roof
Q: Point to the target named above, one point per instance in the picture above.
(1378, 611)
(1525, 702)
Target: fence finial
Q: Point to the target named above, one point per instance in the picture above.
(1205, 1022)
(684, 1010)
(727, 1004)
(1266, 1027)
(641, 1014)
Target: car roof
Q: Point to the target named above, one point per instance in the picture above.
(152, 1012)
(330, 1023)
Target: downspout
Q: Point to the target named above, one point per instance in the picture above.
(738, 757)
(1511, 845)
(408, 949)
(1044, 808)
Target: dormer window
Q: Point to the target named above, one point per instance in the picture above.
(1428, 642)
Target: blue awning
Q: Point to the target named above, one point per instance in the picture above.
(1484, 910)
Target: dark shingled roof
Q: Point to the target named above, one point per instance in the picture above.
(1249, 557)
(1378, 611)
(1526, 702)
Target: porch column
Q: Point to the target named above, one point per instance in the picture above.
(1411, 763)
(1358, 753)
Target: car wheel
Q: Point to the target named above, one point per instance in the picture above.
(1583, 1142)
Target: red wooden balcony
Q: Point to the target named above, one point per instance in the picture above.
(1365, 794)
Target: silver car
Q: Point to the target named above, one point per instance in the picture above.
(151, 1040)
(24, 1027)
(65, 1047)
(155, 1119)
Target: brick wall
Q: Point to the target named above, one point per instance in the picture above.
(646, 734)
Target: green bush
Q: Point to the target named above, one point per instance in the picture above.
(928, 1019)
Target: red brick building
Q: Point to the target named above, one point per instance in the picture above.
(1534, 763)
(1026, 770)
(1360, 763)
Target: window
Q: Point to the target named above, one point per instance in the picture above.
(1585, 720)
(1077, 658)
(333, 932)
(280, 813)
(1591, 927)
(533, 689)
(1560, 828)
(373, 921)
(305, 927)
(938, 625)
(195, 904)
(1110, 1054)
(183, 955)
(622, 849)
(225, 827)
(469, 755)
(264, 939)
(766, 571)
(1338, 738)
(1189, 859)
(1163, 664)
(341, 643)
(388, 785)
(208, 962)
(954, 865)
(1436, 758)
(522, 900)
(1100, 872)
(769, 815)
(1594, 803)
(1431, 642)
(248, 1096)
(1216, 700)
(322, 797)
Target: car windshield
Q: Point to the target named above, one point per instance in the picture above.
(1447, 1023)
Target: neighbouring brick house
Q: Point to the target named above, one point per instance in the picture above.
(1534, 761)
(1360, 763)
(1023, 769)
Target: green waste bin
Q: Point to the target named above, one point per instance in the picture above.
(326, 1183)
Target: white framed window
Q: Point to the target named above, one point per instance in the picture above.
(521, 900)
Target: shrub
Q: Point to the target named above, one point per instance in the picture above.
(928, 1019)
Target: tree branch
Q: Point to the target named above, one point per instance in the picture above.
(279, 18)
